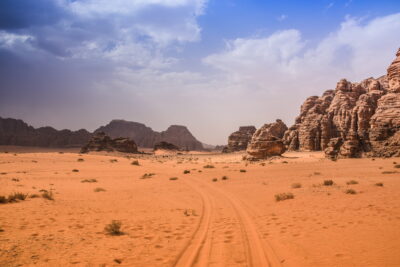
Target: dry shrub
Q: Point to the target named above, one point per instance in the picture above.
(283, 196)
(296, 185)
(114, 228)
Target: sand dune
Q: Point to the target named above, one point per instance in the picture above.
(200, 218)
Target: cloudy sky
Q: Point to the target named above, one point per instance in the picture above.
(211, 65)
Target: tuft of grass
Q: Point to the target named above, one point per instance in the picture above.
(186, 171)
(99, 189)
(173, 178)
(80, 160)
(135, 163)
(208, 166)
(3, 200)
(328, 183)
(113, 160)
(285, 162)
(379, 184)
(351, 182)
(224, 177)
(242, 170)
(114, 228)
(389, 172)
(15, 179)
(214, 179)
(15, 197)
(147, 175)
(75, 170)
(34, 196)
(89, 181)
(296, 185)
(119, 261)
(283, 196)
(48, 195)
(350, 191)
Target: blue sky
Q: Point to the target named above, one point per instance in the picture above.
(210, 65)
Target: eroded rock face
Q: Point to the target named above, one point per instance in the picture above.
(145, 137)
(15, 132)
(267, 141)
(239, 140)
(102, 142)
(353, 120)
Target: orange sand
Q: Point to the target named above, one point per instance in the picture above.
(194, 221)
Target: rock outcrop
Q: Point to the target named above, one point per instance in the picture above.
(239, 140)
(353, 120)
(145, 137)
(101, 142)
(15, 132)
(165, 146)
(267, 141)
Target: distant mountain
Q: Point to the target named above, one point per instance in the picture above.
(18, 133)
(145, 136)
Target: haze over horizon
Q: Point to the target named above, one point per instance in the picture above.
(209, 65)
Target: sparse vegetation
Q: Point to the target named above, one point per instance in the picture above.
(285, 162)
(135, 163)
(89, 181)
(186, 171)
(379, 184)
(113, 160)
(15, 179)
(173, 178)
(296, 185)
(80, 160)
(224, 177)
(351, 182)
(242, 170)
(99, 189)
(17, 196)
(389, 172)
(3, 200)
(283, 196)
(114, 228)
(214, 179)
(48, 195)
(328, 183)
(397, 166)
(208, 166)
(317, 173)
(351, 191)
(34, 196)
(75, 170)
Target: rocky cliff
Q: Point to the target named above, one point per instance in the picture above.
(145, 137)
(18, 133)
(101, 142)
(239, 140)
(354, 120)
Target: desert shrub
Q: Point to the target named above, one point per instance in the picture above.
(379, 184)
(351, 182)
(328, 183)
(34, 196)
(89, 181)
(350, 191)
(3, 173)
(296, 185)
(283, 196)
(285, 161)
(3, 200)
(99, 189)
(397, 166)
(114, 228)
(34, 161)
(173, 178)
(15, 179)
(224, 177)
(75, 170)
(389, 172)
(80, 160)
(242, 170)
(20, 196)
(317, 173)
(214, 179)
(48, 195)
(135, 162)
(113, 160)
(186, 171)
(208, 166)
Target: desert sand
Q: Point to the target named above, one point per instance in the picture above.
(198, 219)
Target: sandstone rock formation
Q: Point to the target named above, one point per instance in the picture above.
(101, 142)
(239, 140)
(145, 137)
(18, 133)
(267, 141)
(165, 146)
(353, 120)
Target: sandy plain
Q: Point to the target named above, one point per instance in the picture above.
(199, 219)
